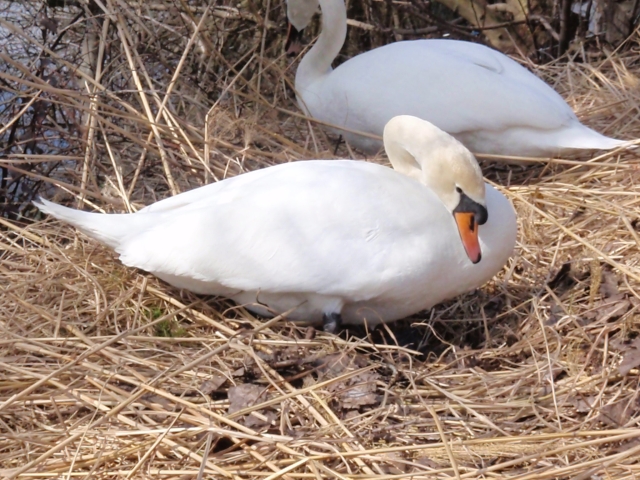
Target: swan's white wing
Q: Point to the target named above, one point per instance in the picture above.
(458, 86)
(320, 226)
(192, 197)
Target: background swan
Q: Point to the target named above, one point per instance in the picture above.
(299, 13)
(482, 97)
(340, 240)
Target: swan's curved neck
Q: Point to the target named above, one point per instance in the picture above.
(317, 62)
(404, 161)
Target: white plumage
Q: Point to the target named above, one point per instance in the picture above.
(482, 97)
(329, 237)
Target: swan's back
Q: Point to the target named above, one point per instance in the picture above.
(484, 98)
(452, 84)
(311, 226)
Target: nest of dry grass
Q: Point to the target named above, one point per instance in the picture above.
(106, 372)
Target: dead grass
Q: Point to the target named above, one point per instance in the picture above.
(109, 373)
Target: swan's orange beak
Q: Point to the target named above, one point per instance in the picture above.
(468, 228)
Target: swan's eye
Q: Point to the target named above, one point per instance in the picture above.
(458, 189)
(466, 205)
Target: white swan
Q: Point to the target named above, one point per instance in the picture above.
(482, 97)
(341, 240)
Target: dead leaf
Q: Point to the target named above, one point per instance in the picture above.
(394, 464)
(247, 395)
(584, 405)
(624, 446)
(615, 414)
(244, 395)
(335, 364)
(351, 414)
(607, 310)
(362, 393)
(609, 285)
(356, 391)
(213, 384)
(631, 358)
(427, 462)
(614, 310)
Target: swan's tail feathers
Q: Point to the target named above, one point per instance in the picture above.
(587, 139)
(106, 228)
